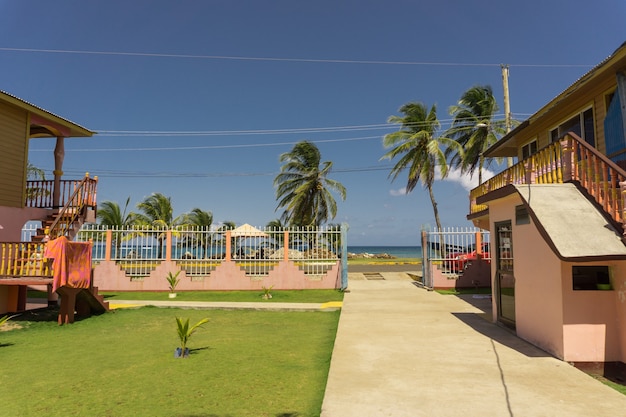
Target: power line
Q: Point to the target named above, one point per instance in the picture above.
(274, 59)
(138, 174)
(332, 129)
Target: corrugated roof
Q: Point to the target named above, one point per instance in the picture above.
(554, 101)
(77, 129)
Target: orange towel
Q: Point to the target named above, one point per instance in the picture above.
(71, 265)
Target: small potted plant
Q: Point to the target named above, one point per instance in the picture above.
(184, 334)
(173, 280)
(266, 292)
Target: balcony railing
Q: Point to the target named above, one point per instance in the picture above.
(570, 159)
(23, 259)
(40, 193)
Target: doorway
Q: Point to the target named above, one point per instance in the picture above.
(505, 280)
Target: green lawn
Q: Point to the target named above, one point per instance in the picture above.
(243, 363)
(279, 296)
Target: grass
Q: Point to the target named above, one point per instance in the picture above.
(621, 388)
(278, 296)
(242, 363)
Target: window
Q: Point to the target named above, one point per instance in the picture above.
(591, 277)
(582, 124)
(614, 130)
(521, 215)
(529, 149)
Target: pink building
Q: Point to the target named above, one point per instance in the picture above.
(557, 221)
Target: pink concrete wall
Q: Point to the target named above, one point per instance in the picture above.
(537, 272)
(590, 323)
(618, 280)
(108, 276)
(478, 274)
(577, 326)
(13, 220)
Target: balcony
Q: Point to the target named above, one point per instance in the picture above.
(569, 160)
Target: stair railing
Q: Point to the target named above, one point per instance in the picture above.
(83, 198)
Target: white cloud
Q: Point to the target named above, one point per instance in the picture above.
(398, 192)
(465, 180)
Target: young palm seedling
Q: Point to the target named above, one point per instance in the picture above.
(173, 280)
(184, 334)
(266, 292)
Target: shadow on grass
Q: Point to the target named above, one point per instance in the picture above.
(6, 344)
(196, 350)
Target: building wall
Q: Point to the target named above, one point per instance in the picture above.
(573, 325)
(14, 151)
(593, 94)
(108, 276)
(592, 328)
(12, 220)
(537, 272)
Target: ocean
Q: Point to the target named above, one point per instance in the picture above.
(397, 251)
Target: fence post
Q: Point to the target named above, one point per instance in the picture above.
(228, 246)
(108, 245)
(344, 256)
(479, 245)
(168, 245)
(425, 260)
(286, 246)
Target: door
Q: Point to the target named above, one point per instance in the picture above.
(505, 280)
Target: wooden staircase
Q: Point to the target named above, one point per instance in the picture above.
(80, 301)
(23, 264)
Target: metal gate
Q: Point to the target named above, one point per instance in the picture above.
(452, 250)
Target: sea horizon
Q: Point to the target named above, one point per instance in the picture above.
(397, 251)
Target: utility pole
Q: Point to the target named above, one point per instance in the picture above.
(507, 104)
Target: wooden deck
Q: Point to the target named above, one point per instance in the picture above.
(25, 280)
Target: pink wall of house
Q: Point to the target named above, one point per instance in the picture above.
(537, 272)
(108, 276)
(13, 220)
(573, 325)
(591, 327)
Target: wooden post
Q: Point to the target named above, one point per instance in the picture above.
(59, 155)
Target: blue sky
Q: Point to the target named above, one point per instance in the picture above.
(197, 99)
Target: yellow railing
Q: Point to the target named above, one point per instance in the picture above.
(570, 159)
(19, 259)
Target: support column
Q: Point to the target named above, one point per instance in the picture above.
(59, 155)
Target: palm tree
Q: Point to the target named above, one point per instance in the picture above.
(227, 225)
(109, 214)
(202, 220)
(475, 129)
(419, 148)
(303, 188)
(35, 174)
(276, 231)
(157, 212)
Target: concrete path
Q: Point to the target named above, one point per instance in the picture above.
(404, 351)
